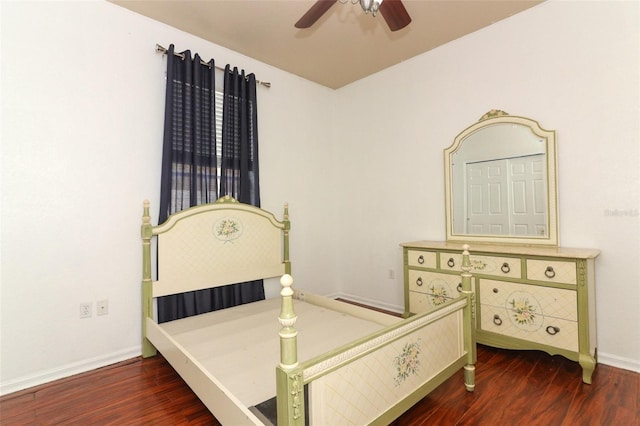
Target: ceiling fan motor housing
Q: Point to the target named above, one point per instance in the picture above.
(370, 6)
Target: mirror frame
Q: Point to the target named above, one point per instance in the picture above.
(491, 118)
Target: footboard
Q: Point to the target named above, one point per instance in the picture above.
(375, 379)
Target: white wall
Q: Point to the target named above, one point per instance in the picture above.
(574, 67)
(83, 94)
(82, 117)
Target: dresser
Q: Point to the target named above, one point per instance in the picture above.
(526, 297)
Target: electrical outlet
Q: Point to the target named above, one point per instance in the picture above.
(85, 310)
(102, 307)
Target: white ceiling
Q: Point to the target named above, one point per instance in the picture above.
(343, 46)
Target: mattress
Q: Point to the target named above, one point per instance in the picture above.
(240, 346)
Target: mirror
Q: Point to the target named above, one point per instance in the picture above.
(500, 182)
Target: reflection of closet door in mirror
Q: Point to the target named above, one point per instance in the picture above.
(506, 196)
(528, 188)
(487, 202)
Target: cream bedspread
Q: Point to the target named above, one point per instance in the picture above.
(241, 348)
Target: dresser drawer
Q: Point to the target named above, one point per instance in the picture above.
(430, 289)
(451, 261)
(446, 285)
(550, 331)
(497, 266)
(554, 271)
(420, 302)
(530, 301)
(421, 259)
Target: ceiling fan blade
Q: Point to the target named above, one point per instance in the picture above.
(313, 14)
(395, 14)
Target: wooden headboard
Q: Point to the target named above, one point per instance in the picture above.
(215, 244)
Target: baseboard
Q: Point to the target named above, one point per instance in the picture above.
(68, 370)
(368, 302)
(619, 362)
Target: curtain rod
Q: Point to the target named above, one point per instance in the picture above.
(163, 50)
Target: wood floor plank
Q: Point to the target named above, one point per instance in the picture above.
(625, 392)
(588, 404)
(505, 384)
(611, 399)
(551, 408)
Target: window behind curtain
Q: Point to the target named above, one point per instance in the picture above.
(181, 192)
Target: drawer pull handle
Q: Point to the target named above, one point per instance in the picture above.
(505, 268)
(495, 290)
(459, 288)
(549, 272)
(419, 282)
(497, 320)
(553, 330)
(421, 259)
(451, 263)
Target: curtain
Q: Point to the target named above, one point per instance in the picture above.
(239, 171)
(189, 162)
(190, 165)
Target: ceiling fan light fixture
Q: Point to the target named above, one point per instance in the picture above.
(370, 6)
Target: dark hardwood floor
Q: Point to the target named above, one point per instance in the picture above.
(513, 387)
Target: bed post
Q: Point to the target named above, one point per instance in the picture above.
(290, 391)
(469, 320)
(147, 299)
(285, 236)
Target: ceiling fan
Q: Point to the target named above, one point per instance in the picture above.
(393, 11)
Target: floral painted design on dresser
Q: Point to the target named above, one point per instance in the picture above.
(523, 311)
(407, 362)
(438, 294)
(227, 229)
(478, 265)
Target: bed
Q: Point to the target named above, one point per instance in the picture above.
(299, 358)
